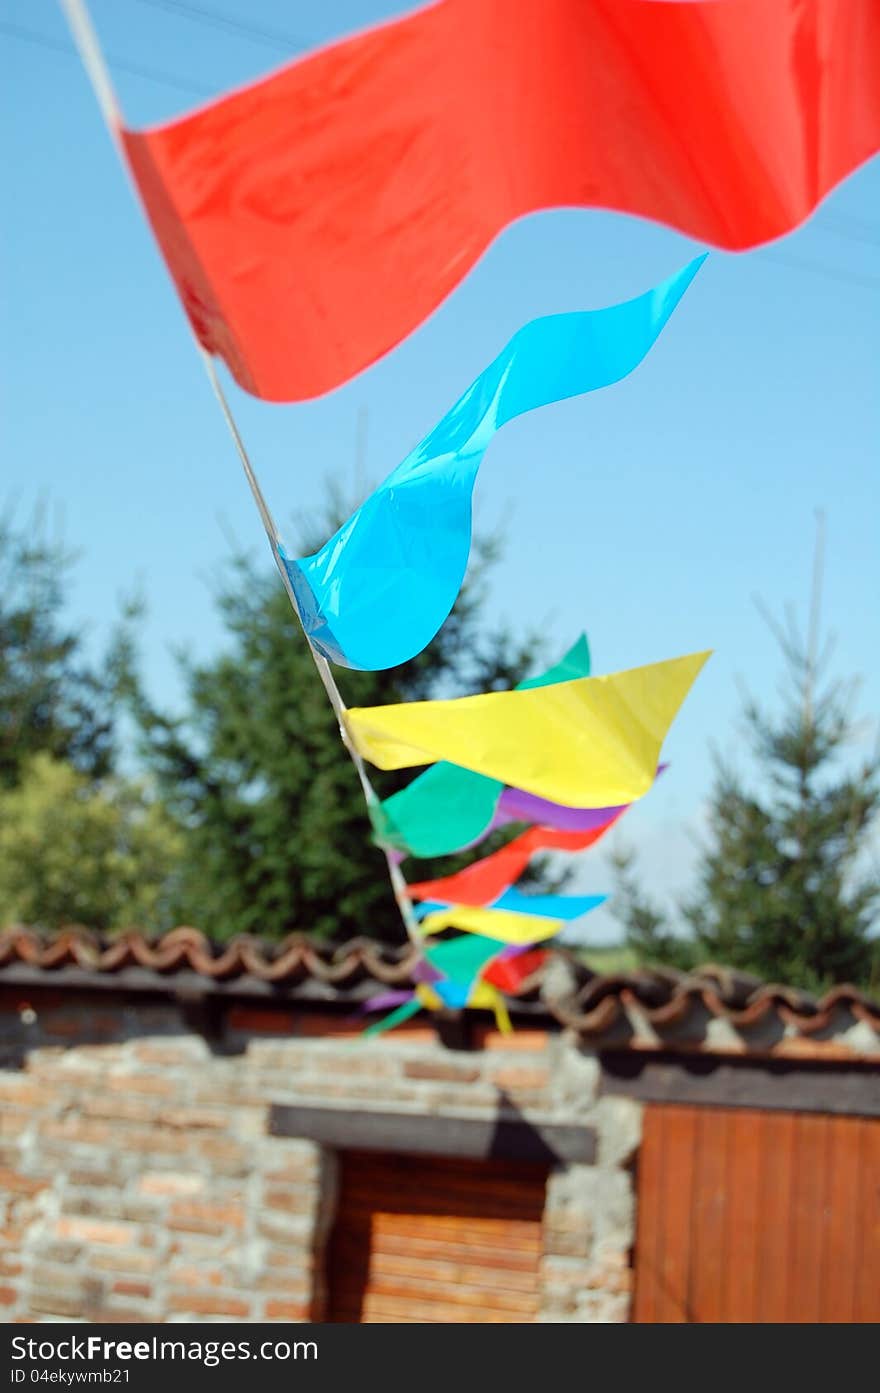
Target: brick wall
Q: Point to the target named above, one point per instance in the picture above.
(138, 1180)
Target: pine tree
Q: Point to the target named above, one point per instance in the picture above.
(277, 836)
(784, 889)
(52, 699)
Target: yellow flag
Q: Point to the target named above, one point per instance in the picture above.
(489, 997)
(503, 924)
(428, 997)
(592, 742)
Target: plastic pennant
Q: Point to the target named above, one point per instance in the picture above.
(462, 959)
(487, 997)
(448, 808)
(445, 809)
(313, 219)
(515, 805)
(378, 591)
(497, 924)
(396, 1017)
(512, 968)
(564, 907)
(484, 881)
(593, 741)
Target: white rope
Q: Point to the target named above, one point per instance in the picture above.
(86, 41)
(398, 884)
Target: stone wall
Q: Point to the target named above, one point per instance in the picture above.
(138, 1180)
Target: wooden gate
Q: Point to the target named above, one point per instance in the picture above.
(757, 1216)
(423, 1239)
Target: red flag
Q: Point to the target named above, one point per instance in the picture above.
(314, 219)
(508, 974)
(484, 880)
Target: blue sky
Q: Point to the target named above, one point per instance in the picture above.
(649, 514)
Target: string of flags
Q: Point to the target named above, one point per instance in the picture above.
(313, 219)
(589, 742)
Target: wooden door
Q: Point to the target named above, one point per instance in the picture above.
(748, 1216)
(424, 1239)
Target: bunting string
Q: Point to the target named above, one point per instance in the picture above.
(86, 41)
(223, 190)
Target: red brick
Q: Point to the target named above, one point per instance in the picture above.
(170, 1183)
(330, 1027)
(24, 1092)
(326, 1023)
(415, 1034)
(54, 1305)
(518, 1078)
(221, 1149)
(121, 1109)
(257, 1022)
(318, 1088)
(197, 1118)
(61, 1251)
(159, 1143)
(441, 1072)
(123, 1260)
(73, 1129)
(125, 1288)
(67, 1025)
(297, 1283)
(288, 1310)
(283, 1257)
(185, 1051)
(95, 1230)
(8, 1296)
(9, 1265)
(122, 1315)
(205, 1218)
(208, 1306)
(300, 1200)
(21, 1184)
(485, 1038)
(96, 1176)
(198, 1276)
(299, 1171)
(347, 1066)
(140, 1083)
(13, 1125)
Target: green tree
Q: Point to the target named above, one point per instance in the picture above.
(784, 889)
(51, 698)
(72, 851)
(277, 836)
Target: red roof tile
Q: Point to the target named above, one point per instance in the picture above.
(657, 999)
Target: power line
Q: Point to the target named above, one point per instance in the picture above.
(856, 229)
(861, 230)
(199, 14)
(17, 31)
(816, 268)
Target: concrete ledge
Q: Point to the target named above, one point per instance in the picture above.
(510, 1138)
